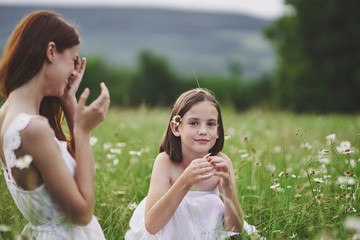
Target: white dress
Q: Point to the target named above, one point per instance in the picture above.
(46, 219)
(198, 217)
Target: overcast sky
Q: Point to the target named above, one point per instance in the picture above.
(258, 8)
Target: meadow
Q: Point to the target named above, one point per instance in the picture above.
(297, 176)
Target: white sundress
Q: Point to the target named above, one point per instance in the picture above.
(198, 217)
(46, 219)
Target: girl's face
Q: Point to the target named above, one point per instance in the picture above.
(63, 66)
(199, 128)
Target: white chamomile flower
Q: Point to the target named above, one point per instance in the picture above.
(132, 205)
(176, 120)
(324, 160)
(110, 156)
(344, 148)
(24, 161)
(275, 185)
(107, 146)
(331, 138)
(115, 162)
(4, 228)
(93, 141)
(277, 149)
(318, 180)
(271, 167)
(345, 180)
(115, 150)
(227, 136)
(293, 235)
(306, 145)
(135, 153)
(121, 144)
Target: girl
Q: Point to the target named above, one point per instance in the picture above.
(188, 175)
(40, 72)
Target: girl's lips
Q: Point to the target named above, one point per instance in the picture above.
(202, 141)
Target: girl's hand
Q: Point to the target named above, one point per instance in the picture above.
(88, 117)
(198, 170)
(222, 170)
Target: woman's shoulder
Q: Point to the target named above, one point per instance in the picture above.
(34, 127)
(25, 124)
(35, 124)
(21, 131)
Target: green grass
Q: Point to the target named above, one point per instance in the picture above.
(266, 150)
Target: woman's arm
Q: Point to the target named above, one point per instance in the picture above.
(163, 199)
(233, 215)
(74, 195)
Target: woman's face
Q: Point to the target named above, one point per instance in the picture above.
(61, 70)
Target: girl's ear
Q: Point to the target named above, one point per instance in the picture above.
(50, 51)
(175, 129)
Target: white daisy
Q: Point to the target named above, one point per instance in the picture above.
(93, 141)
(23, 162)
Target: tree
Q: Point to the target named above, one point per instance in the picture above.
(319, 56)
(155, 81)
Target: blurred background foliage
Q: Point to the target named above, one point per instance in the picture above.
(319, 56)
(318, 68)
(154, 83)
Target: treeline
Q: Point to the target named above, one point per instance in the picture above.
(318, 67)
(153, 82)
(318, 56)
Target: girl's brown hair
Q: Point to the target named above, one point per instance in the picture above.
(25, 54)
(172, 144)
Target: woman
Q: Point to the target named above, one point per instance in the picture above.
(40, 72)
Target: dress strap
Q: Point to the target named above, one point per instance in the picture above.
(12, 140)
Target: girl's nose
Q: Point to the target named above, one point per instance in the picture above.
(202, 130)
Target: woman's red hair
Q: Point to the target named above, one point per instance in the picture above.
(25, 54)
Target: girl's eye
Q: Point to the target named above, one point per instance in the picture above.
(211, 124)
(193, 123)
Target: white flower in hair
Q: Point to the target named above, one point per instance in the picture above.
(24, 161)
(176, 120)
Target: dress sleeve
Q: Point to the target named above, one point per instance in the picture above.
(12, 138)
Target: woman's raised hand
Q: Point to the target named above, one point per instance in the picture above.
(88, 117)
(69, 99)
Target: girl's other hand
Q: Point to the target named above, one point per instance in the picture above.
(88, 117)
(198, 170)
(222, 169)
